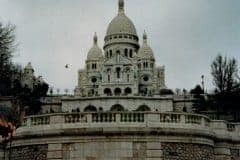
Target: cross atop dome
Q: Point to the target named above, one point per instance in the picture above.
(144, 37)
(121, 6)
(95, 38)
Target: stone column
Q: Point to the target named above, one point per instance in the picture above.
(222, 151)
(154, 151)
(54, 152)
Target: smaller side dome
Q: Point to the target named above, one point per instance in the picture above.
(95, 53)
(145, 51)
(29, 67)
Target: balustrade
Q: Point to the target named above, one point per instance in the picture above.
(42, 120)
(75, 118)
(104, 117)
(132, 117)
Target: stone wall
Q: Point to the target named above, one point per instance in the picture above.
(33, 152)
(184, 151)
(130, 104)
(1, 152)
(235, 154)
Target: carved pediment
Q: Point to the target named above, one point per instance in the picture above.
(118, 60)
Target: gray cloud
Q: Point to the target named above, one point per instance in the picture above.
(185, 35)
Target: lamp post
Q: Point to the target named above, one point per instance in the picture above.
(202, 77)
(184, 97)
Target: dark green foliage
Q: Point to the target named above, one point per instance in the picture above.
(197, 90)
(166, 92)
(11, 76)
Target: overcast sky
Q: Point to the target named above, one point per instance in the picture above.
(185, 35)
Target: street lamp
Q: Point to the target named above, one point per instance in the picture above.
(203, 83)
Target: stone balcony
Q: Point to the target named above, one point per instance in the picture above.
(127, 123)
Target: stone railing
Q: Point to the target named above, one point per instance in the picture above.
(124, 121)
(118, 117)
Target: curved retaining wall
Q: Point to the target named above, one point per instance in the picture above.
(126, 136)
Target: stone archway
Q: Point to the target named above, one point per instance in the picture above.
(117, 91)
(90, 108)
(117, 107)
(143, 108)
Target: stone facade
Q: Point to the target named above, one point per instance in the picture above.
(32, 152)
(125, 67)
(181, 151)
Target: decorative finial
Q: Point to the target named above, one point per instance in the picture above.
(145, 37)
(95, 38)
(121, 6)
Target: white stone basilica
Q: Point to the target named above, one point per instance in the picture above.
(118, 113)
(125, 68)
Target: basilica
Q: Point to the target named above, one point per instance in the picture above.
(124, 67)
(118, 111)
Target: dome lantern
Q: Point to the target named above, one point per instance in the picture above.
(95, 53)
(145, 51)
(121, 6)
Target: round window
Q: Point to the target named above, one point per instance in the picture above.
(94, 80)
(145, 78)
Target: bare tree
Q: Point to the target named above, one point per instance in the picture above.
(225, 74)
(7, 46)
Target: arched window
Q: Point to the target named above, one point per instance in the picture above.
(118, 69)
(131, 53)
(126, 52)
(117, 91)
(90, 108)
(143, 108)
(110, 53)
(109, 78)
(107, 91)
(117, 107)
(128, 90)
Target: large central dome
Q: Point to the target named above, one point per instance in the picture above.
(121, 24)
(121, 29)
